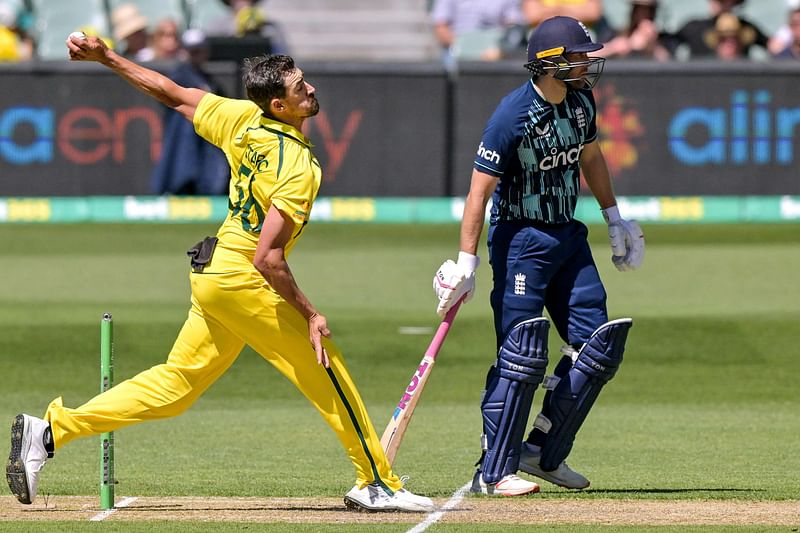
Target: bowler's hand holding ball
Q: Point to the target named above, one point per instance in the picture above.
(84, 48)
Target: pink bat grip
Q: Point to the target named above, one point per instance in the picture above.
(441, 332)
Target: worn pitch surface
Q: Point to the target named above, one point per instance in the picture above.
(533, 510)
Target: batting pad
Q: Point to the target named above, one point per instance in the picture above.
(510, 384)
(574, 396)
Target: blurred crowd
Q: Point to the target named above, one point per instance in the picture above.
(36, 29)
(498, 29)
(465, 29)
(183, 40)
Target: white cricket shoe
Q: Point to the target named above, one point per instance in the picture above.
(27, 457)
(510, 485)
(374, 498)
(563, 476)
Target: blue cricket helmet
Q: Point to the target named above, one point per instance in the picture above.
(556, 37)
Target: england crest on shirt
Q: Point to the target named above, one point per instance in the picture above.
(580, 117)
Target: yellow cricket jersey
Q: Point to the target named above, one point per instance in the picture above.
(9, 45)
(232, 306)
(271, 164)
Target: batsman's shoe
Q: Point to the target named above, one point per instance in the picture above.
(31, 446)
(563, 476)
(374, 498)
(510, 485)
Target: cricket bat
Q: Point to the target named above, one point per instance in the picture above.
(393, 434)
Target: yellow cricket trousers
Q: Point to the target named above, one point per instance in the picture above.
(231, 308)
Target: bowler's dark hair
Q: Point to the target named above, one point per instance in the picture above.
(264, 78)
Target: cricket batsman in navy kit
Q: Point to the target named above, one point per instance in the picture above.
(529, 161)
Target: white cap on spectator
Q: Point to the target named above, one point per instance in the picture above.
(8, 16)
(193, 38)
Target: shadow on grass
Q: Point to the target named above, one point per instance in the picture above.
(668, 491)
(254, 507)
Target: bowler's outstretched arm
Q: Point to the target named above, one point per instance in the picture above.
(182, 99)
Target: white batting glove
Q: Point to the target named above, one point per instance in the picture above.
(627, 240)
(454, 280)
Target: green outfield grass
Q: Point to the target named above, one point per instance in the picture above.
(704, 407)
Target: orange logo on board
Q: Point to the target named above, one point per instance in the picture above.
(618, 125)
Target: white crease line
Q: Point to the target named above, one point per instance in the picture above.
(124, 502)
(435, 516)
(415, 330)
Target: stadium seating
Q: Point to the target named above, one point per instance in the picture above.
(15, 5)
(471, 45)
(362, 30)
(56, 20)
(769, 15)
(200, 13)
(156, 10)
(324, 30)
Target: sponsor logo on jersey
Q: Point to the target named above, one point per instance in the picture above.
(543, 130)
(489, 155)
(562, 158)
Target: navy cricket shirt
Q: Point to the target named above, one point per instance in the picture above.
(534, 148)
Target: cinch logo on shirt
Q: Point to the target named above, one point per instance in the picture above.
(560, 159)
(489, 155)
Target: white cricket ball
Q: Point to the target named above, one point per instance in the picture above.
(77, 35)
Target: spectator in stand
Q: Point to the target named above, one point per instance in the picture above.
(694, 34)
(792, 50)
(189, 164)
(641, 38)
(15, 44)
(729, 38)
(784, 36)
(248, 18)
(589, 12)
(130, 32)
(482, 21)
(165, 44)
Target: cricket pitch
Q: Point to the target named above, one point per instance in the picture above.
(471, 510)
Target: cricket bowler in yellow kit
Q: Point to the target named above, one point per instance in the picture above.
(243, 291)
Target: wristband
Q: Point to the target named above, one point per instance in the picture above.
(468, 261)
(611, 214)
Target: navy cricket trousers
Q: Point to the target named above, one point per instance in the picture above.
(538, 266)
